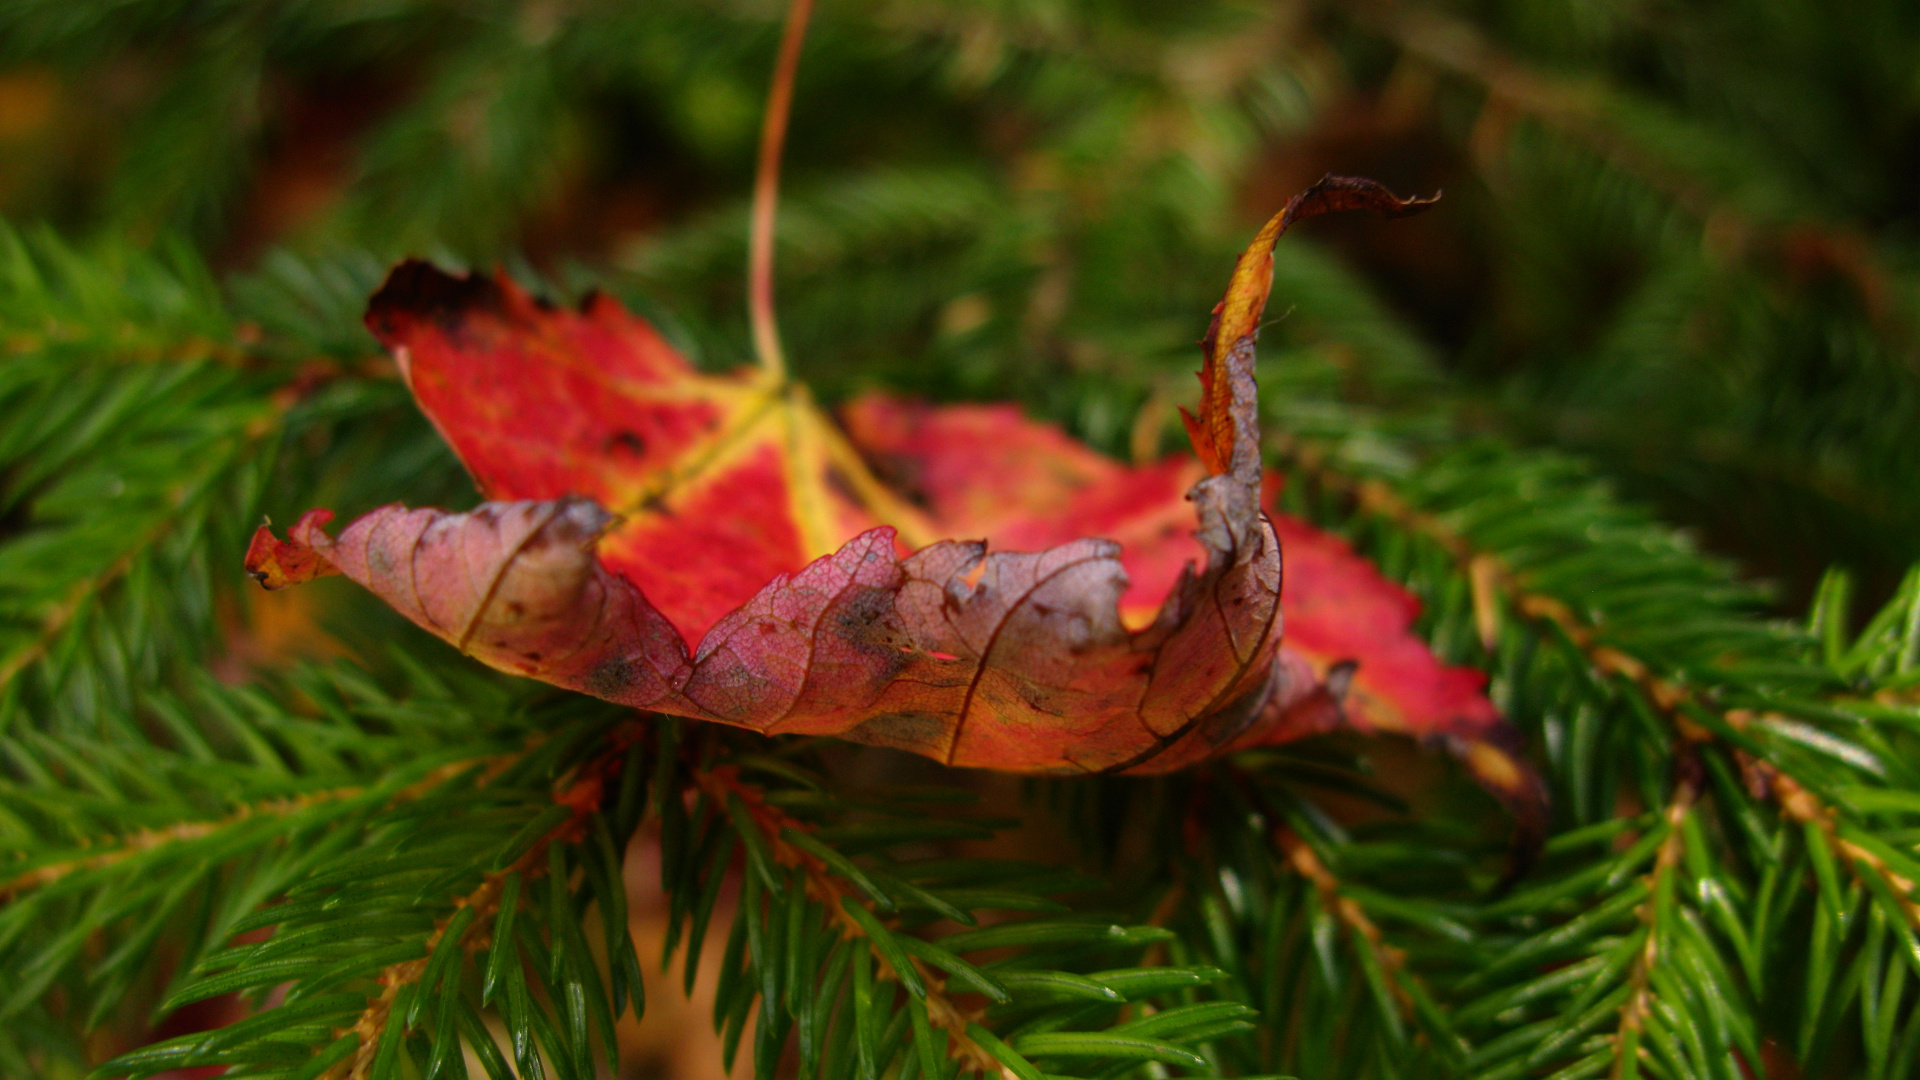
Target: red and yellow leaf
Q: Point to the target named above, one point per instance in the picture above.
(715, 547)
(733, 477)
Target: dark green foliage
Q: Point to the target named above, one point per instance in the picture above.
(1677, 240)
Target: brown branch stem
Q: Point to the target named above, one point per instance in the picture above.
(1639, 1004)
(147, 841)
(824, 885)
(582, 792)
(1367, 934)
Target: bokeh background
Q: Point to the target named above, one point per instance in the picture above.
(1678, 239)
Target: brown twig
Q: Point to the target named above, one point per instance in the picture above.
(1639, 1004)
(824, 885)
(123, 347)
(1367, 934)
(1805, 807)
(766, 193)
(582, 793)
(144, 841)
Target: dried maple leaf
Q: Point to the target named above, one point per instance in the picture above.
(640, 506)
(973, 467)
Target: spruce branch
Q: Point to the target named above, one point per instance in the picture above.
(109, 851)
(125, 380)
(581, 794)
(840, 891)
(1804, 807)
(1297, 909)
(1656, 913)
(316, 829)
(1703, 695)
(1366, 934)
(1496, 585)
(147, 842)
(187, 501)
(1681, 704)
(830, 938)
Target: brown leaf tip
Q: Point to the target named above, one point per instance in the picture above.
(1222, 430)
(1333, 193)
(416, 289)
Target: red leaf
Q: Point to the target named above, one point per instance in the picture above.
(728, 473)
(276, 564)
(730, 503)
(972, 467)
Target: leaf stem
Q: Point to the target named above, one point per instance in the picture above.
(766, 193)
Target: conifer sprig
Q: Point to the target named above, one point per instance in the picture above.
(1740, 843)
(124, 386)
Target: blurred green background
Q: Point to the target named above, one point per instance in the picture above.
(1678, 239)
